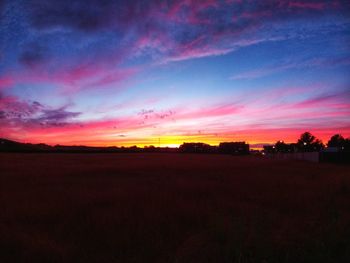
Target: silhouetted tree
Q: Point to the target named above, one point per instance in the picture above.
(309, 143)
(347, 145)
(339, 142)
(282, 147)
(306, 138)
(336, 141)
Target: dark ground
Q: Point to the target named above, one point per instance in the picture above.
(171, 208)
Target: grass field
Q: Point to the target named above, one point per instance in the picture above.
(171, 208)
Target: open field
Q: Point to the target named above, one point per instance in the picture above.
(171, 208)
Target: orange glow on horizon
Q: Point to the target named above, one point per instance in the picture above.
(256, 138)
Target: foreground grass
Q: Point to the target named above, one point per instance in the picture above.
(171, 208)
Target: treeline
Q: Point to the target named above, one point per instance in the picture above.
(309, 143)
(13, 146)
(235, 148)
(306, 143)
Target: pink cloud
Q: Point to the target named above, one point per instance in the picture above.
(323, 100)
(254, 124)
(210, 111)
(307, 5)
(191, 53)
(5, 82)
(253, 14)
(174, 12)
(71, 80)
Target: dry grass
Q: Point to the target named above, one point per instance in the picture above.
(171, 208)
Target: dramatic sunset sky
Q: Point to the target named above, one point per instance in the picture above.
(105, 72)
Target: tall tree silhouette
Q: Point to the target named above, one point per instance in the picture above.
(336, 141)
(308, 143)
(283, 147)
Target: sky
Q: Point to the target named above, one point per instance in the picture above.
(122, 73)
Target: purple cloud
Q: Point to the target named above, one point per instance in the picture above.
(33, 54)
(202, 27)
(87, 15)
(32, 113)
(56, 117)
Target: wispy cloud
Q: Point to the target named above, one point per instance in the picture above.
(290, 65)
(84, 47)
